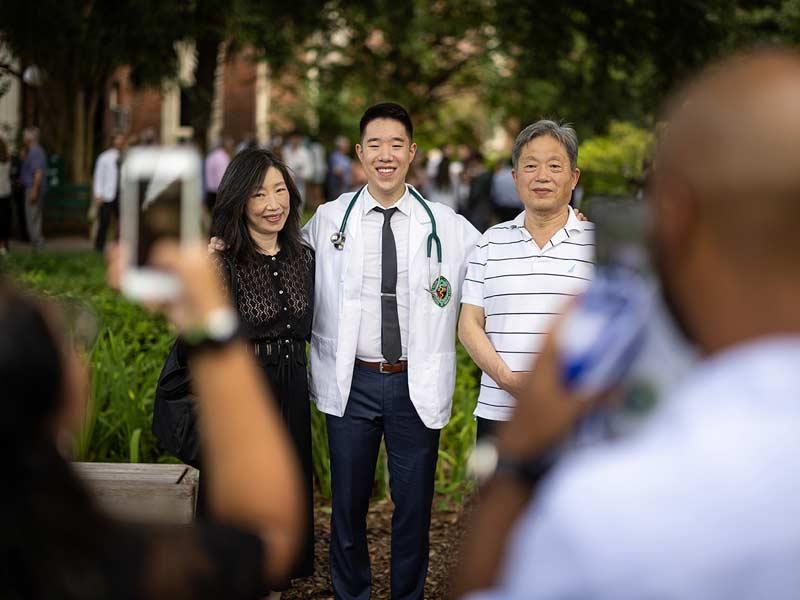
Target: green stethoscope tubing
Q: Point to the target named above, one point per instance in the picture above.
(338, 238)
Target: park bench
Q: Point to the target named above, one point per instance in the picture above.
(164, 494)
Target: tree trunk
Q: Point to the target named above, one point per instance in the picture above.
(78, 149)
(202, 95)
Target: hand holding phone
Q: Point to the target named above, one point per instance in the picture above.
(161, 200)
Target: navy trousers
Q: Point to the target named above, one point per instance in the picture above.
(379, 407)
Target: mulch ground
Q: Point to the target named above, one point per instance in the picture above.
(447, 525)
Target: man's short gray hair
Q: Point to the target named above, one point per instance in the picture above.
(563, 133)
(31, 133)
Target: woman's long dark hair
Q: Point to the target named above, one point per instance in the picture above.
(52, 537)
(243, 177)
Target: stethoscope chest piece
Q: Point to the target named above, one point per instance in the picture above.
(337, 239)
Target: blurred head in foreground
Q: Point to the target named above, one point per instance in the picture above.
(725, 200)
(44, 380)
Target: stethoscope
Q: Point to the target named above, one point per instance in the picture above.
(440, 287)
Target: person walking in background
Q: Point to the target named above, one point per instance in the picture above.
(339, 165)
(316, 181)
(522, 271)
(270, 275)
(298, 158)
(505, 198)
(478, 206)
(34, 179)
(105, 186)
(215, 164)
(443, 187)
(5, 197)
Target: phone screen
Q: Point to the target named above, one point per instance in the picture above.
(621, 234)
(159, 214)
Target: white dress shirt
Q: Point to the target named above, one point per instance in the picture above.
(105, 178)
(703, 502)
(369, 332)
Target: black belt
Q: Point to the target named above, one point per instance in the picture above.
(280, 349)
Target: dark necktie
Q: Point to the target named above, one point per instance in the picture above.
(390, 322)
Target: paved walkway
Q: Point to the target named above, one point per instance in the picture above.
(56, 244)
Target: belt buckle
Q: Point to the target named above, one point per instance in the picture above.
(380, 367)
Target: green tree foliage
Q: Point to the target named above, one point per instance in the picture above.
(612, 164)
(78, 45)
(425, 55)
(616, 60)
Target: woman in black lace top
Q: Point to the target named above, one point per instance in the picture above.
(270, 274)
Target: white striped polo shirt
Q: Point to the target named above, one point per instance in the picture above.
(522, 288)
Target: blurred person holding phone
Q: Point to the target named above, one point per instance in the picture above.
(701, 502)
(269, 272)
(56, 543)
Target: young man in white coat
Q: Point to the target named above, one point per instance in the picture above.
(383, 349)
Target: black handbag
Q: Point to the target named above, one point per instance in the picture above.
(174, 416)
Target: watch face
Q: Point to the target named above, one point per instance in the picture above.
(482, 461)
(221, 323)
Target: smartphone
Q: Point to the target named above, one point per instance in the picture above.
(161, 198)
(606, 329)
(620, 335)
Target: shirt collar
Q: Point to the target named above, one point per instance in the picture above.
(573, 222)
(403, 205)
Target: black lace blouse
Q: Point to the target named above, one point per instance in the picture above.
(274, 295)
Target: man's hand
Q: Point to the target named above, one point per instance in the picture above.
(514, 383)
(580, 216)
(216, 244)
(33, 198)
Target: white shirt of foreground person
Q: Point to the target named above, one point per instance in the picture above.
(703, 503)
(342, 306)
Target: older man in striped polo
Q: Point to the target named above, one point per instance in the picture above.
(523, 272)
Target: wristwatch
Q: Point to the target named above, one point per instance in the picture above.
(486, 462)
(219, 328)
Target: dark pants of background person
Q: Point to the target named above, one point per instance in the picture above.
(33, 218)
(211, 200)
(107, 211)
(485, 428)
(5, 221)
(380, 406)
(18, 205)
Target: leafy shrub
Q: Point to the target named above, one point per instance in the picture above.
(127, 357)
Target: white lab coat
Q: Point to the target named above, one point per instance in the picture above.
(337, 306)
